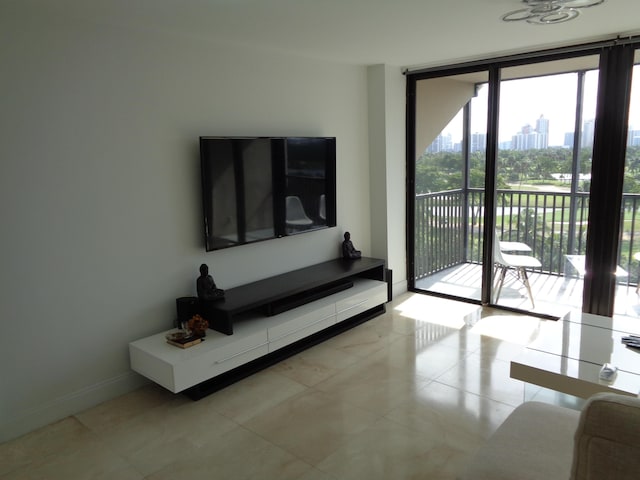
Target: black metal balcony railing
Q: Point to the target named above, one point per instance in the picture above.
(449, 226)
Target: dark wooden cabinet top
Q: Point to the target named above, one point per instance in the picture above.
(259, 293)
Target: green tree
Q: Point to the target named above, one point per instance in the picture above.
(443, 171)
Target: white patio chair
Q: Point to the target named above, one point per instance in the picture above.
(516, 263)
(518, 247)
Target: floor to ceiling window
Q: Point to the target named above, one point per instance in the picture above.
(518, 138)
(628, 290)
(449, 183)
(543, 172)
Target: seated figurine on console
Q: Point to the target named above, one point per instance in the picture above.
(206, 286)
(348, 250)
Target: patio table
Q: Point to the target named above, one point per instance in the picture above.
(578, 263)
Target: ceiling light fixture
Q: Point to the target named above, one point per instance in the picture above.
(548, 12)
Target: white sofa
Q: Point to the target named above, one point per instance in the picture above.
(546, 442)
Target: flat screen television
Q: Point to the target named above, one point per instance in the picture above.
(259, 188)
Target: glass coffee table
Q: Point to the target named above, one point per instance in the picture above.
(568, 354)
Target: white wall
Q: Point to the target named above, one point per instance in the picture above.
(100, 193)
(386, 101)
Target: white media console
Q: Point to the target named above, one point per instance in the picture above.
(259, 340)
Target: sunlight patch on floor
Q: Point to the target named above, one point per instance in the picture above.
(440, 311)
(518, 329)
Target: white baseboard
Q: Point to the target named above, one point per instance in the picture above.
(399, 288)
(70, 404)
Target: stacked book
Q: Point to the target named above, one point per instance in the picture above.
(179, 339)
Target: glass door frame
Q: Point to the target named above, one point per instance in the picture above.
(616, 65)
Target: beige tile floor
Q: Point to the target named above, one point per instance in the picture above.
(410, 394)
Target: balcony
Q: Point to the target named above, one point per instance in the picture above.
(448, 246)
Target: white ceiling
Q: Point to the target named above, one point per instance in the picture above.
(395, 32)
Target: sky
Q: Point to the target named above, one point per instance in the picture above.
(523, 101)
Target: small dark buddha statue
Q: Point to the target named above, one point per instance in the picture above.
(206, 287)
(348, 250)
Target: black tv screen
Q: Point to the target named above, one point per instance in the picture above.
(258, 188)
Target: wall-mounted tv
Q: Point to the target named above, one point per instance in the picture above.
(258, 188)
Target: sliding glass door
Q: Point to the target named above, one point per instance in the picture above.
(543, 176)
(448, 193)
(515, 181)
(627, 300)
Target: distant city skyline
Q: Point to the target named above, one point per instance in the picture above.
(527, 138)
(523, 101)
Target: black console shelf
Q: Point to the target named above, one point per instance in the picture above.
(289, 290)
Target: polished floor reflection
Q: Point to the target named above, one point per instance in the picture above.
(554, 295)
(409, 394)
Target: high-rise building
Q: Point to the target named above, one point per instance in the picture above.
(542, 125)
(633, 138)
(587, 133)
(542, 129)
(442, 143)
(529, 138)
(478, 142)
(568, 140)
